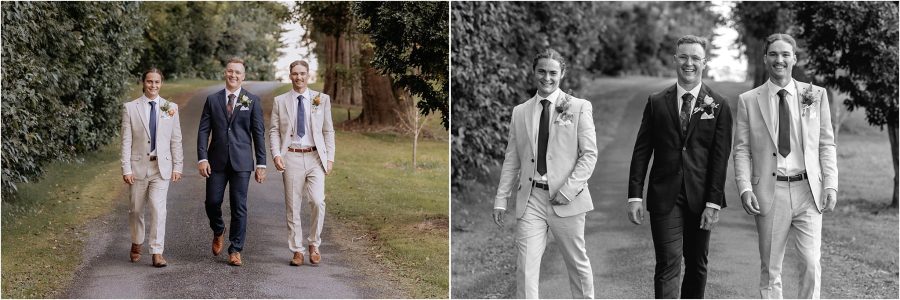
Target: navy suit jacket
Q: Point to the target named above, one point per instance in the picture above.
(697, 161)
(223, 141)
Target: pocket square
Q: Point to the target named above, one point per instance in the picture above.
(706, 116)
(245, 108)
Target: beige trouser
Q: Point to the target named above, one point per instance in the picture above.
(152, 189)
(304, 177)
(531, 240)
(794, 209)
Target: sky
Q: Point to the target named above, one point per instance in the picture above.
(726, 66)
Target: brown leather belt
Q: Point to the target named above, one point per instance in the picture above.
(303, 150)
(541, 185)
(797, 177)
(153, 158)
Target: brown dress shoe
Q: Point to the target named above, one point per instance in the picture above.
(218, 241)
(314, 256)
(234, 259)
(298, 259)
(159, 261)
(135, 252)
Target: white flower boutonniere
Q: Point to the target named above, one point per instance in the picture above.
(808, 99)
(315, 102)
(167, 109)
(245, 101)
(565, 117)
(708, 107)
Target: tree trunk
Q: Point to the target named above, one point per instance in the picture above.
(892, 136)
(380, 102)
(340, 69)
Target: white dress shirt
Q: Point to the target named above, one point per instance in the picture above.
(306, 141)
(680, 91)
(793, 163)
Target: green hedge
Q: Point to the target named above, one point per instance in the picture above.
(65, 67)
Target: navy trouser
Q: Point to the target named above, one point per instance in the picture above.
(215, 195)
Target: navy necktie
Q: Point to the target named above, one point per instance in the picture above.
(230, 106)
(301, 117)
(685, 112)
(784, 125)
(152, 126)
(543, 137)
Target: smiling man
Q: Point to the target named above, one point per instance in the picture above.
(231, 132)
(785, 167)
(686, 129)
(550, 155)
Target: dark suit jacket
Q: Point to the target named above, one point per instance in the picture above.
(233, 141)
(698, 160)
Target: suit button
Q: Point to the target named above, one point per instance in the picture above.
(529, 179)
(773, 153)
(532, 160)
(148, 142)
(773, 173)
(684, 149)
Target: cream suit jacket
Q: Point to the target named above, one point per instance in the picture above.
(571, 156)
(755, 146)
(136, 139)
(283, 124)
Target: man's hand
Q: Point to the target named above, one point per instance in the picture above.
(748, 199)
(635, 211)
(709, 218)
(176, 176)
(560, 200)
(279, 163)
(498, 217)
(129, 179)
(329, 168)
(260, 174)
(205, 171)
(830, 200)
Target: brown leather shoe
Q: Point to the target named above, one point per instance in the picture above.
(314, 256)
(298, 259)
(234, 259)
(135, 252)
(218, 241)
(159, 261)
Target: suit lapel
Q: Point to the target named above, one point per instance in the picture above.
(236, 108)
(765, 108)
(144, 119)
(553, 116)
(288, 104)
(695, 117)
(533, 118)
(671, 103)
(804, 119)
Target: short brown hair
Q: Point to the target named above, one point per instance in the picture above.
(780, 37)
(152, 70)
(692, 39)
(235, 60)
(299, 62)
(551, 54)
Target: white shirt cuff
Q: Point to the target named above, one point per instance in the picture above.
(260, 166)
(202, 160)
(741, 194)
(501, 208)
(635, 200)
(713, 206)
(126, 174)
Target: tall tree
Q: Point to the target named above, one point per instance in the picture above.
(853, 47)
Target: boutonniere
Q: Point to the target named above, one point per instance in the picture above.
(565, 117)
(245, 101)
(808, 99)
(708, 106)
(316, 101)
(167, 109)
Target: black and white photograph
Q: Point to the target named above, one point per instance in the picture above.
(674, 149)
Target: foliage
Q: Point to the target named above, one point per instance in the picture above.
(494, 44)
(755, 21)
(195, 39)
(853, 47)
(411, 45)
(63, 83)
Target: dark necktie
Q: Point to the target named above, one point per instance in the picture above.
(784, 125)
(685, 115)
(230, 106)
(152, 126)
(543, 136)
(301, 117)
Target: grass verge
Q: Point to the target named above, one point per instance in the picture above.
(43, 230)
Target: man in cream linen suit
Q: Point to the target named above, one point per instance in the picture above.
(302, 143)
(550, 156)
(151, 156)
(785, 167)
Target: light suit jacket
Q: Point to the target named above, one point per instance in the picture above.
(755, 146)
(136, 139)
(571, 156)
(284, 123)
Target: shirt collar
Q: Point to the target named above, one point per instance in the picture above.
(694, 92)
(236, 93)
(791, 88)
(552, 97)
(305, 94)
(157, 99)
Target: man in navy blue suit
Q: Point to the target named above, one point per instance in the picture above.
(230, 142)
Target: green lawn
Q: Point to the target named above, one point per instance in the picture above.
(43, 232)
